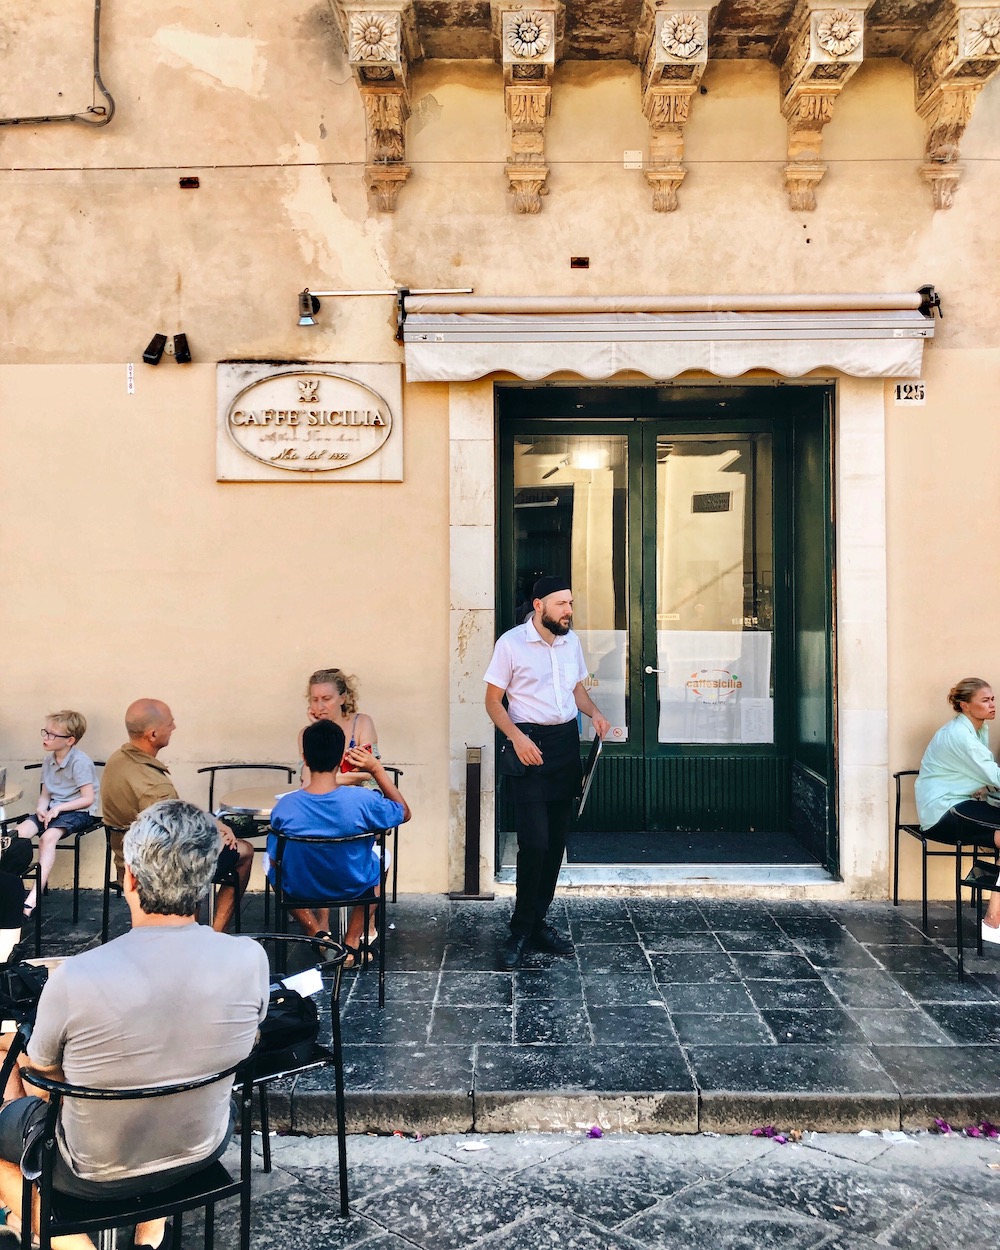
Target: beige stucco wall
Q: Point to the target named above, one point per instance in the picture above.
(127, 569)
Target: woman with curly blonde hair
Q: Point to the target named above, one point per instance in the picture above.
(957, 773)
(332, 695)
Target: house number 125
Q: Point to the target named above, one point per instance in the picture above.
(910, 392)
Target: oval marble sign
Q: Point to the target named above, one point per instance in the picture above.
(310, 421)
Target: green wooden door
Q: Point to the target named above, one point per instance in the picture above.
(673, 512)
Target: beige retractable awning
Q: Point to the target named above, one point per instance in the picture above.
(461, 338)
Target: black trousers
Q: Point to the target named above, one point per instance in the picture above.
(541, 842)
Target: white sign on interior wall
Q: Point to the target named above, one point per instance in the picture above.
(309, 422)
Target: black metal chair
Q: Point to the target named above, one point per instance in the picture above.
(372, 901)
(61, 1214)
(71, 842)
(109, 884)
(32, 873)
(982, 878)
(213, 769)
(244, 826)
(394, 833)
(950, 850)
(268, 1070)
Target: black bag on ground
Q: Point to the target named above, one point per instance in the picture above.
(21, 987)
(289, 1030)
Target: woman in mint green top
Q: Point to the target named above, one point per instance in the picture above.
(956, 771)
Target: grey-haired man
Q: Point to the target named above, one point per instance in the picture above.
(171, 1000)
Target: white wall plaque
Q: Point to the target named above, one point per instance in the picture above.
(309, 422)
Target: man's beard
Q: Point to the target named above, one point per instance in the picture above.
(556, 627)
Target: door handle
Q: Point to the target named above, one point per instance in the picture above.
(649, 669)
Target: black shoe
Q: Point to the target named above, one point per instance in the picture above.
(512, 951)
(547, 937)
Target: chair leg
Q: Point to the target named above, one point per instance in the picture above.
(265, 1127)
(106, 903)
(210, 1226)
(958, 913)
(383, 939)
(338, 1080)
(979, 921)
(923, 868)
(76, 880)
(37, 916)
(176, 1232)
(395, 859)
(895, 870)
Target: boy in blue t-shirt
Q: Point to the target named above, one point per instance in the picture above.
(327, 807)
(69, 800)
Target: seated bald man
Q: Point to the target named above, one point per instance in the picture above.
(135, 779)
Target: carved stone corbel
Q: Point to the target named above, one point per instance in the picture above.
(952, 62)
(824, 48)
(529, 38)
(671, 46)
(381, 40)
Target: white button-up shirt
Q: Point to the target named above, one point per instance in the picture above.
(538, 679)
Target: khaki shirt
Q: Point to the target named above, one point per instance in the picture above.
(133, 781)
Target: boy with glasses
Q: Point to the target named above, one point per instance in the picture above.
(68, 802)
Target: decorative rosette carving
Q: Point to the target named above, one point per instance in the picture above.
(839, 32)
(374, 37)
(683, 34)
(529, 34)
(982, 33)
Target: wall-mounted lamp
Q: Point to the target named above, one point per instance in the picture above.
(182, 353)
(154, 351)
(309, 300)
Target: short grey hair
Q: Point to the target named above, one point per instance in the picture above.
(172, 850)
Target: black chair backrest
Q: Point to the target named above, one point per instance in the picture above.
(212, 769)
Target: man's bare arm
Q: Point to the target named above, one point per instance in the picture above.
(526, 750)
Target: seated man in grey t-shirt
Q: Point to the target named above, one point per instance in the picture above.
(171, 1000)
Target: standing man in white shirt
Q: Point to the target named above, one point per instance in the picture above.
(539, 667)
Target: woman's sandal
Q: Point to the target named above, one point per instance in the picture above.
(357, 956)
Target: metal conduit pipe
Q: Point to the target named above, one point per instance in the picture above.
(560, 304)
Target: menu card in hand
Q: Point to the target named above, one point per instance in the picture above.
(588, 772)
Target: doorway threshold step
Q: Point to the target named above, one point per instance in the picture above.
(683, 874)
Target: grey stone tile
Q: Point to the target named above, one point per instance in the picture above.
(682, 943)
(791, 995)
(553, 1021)
(913, 958)
(464, 1026)
(404, 1024)
(482, 956)
(907, 1028)
(709, 1030)
(751, 940)
(556, 1228)
(601, 990)
(811, 926)
(967, 1024)
(716, 998)
(470, 989)
(731, 914)
(715, 1217)
(942, 1219)
(843, 952)
(829, 1027)
(589, 1190)
(693, 968)
(372, 1067)
(400, 987)
(863, 987)
(599, 1067)
(937, 987)
(560, 980)
(611, 958)
(458, 1209)
(835, 1192)
(774, 967)
(283, 1221)
(602, 931)
(793, 1068)
(639, 1025)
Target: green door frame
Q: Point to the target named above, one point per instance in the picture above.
(642, 413)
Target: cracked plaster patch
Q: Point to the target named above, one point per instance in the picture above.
(228, 61)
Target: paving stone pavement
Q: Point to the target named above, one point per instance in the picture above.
(673, 1015)
(622, 1192)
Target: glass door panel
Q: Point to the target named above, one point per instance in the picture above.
(714, 589)
(571, 517)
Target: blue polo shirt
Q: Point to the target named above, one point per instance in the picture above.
(315, 870)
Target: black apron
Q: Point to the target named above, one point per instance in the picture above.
(560, 774)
